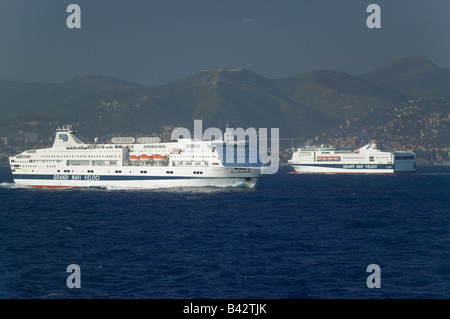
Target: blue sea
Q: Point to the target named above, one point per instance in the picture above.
(292, 237)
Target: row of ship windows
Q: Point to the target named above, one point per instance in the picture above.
(103, 150)
(371, 158)
(91, 171)
(192, 156)
(329, 159)
(77, 156)
(167, 172)
(142, 172)
(404, 157)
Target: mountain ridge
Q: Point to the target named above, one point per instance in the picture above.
(337, 93)
(412, 75)
(301, 105)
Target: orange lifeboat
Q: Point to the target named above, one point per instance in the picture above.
(145, 157)
(160, 157)
(134, 157)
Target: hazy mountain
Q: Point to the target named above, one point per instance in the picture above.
(66, 100)
(337, 93)
(105, 105)
(413, 75)
(18, 99)
(301, 106)
(241, 97)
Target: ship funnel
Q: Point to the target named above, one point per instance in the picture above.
(65, 137)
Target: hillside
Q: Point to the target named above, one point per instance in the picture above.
(18, 99)
(413, 75)
(246, 99)
(103, 105)
(338, 94)
(302, 106)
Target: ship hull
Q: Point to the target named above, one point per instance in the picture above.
(352, 169)
(217, 177)
(153, 184)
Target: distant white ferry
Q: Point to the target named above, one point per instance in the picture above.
(365, 160)
(127, 163)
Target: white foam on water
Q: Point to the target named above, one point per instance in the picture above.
(13, 185)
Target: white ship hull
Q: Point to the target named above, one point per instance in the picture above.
(154, 177)
(149, 184)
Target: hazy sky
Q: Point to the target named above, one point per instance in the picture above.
(155, 42)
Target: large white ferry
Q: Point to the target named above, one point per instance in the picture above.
(127, 163)
(365, 160)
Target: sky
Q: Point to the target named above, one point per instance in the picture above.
(155, 42)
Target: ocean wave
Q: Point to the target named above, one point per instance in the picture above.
(12, 185)
(178, 189)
